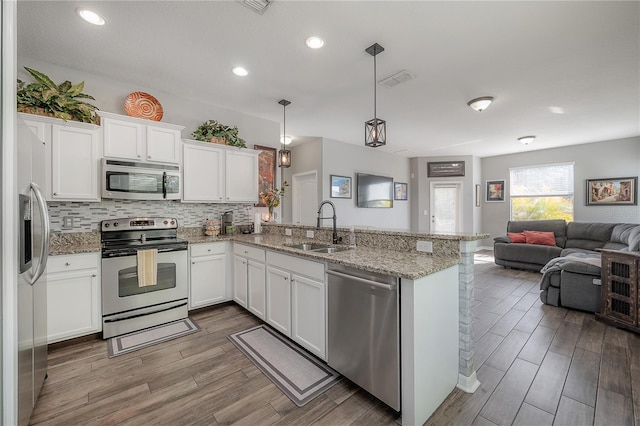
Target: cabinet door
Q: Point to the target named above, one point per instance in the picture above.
(41, 170)
(308, 314)
(123, 139)
(279, 300)
(241, 176)
(73, 304)
(240, 277)
(163, 145)
(257, 289)
(207, 281)
(203, 174)
(74, 163)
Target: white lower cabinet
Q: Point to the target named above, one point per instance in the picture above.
(208, 277)
(279, 300)
(249, 287)
(296, 300)
(73, 296)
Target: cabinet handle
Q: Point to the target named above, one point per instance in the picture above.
(67, 264)
(193, 263)
(55, 193)
(93, 275)
(286, 278)
(139, 155)
(245, 252)
(208, 249)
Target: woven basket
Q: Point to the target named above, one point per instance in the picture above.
(221, 141)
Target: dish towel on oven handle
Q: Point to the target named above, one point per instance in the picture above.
(147, 267)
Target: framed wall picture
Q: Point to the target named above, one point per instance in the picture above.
(340, 186)
(266, 170)
(612, 192)
(399, 191)
(445, 168)
(495, 191)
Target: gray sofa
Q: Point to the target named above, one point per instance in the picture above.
(573, 279)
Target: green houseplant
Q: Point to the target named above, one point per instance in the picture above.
(64, 101)
(212, 131)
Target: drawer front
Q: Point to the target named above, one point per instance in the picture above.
(297, 265)
(207, 249)
(249, 252)
(72, 262)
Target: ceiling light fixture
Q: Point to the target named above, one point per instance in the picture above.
(526, 140)
(375, 130)
(480, 104)
(240, 71)
(284, 156)
(314, 42)
(91, 16)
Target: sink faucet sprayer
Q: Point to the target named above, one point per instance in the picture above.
(335, 233)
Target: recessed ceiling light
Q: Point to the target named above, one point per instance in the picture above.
(240, 71)
(314, 42)
(91, 16)
(556, 110)
(285, 140)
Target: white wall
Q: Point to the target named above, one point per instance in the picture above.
(345, 159)
(608, 159)
(470, 213)
(111, 94)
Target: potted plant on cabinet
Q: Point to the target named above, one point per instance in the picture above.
(64, 101)
(213, 131)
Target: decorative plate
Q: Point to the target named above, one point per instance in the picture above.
(143, 105)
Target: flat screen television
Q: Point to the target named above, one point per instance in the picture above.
(374, 191)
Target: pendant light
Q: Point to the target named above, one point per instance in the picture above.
(375, 130)
(284, 156)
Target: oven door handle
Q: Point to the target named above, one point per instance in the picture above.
(144, 313)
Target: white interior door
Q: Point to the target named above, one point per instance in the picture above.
(446, 211)
(304, 198)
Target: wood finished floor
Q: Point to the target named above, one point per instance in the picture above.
(537, 365)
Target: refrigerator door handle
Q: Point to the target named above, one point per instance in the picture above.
(44, 250)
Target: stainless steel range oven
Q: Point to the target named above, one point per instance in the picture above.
(144, 274)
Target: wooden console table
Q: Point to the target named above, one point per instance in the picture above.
(620, 296)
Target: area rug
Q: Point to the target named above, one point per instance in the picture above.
(130, 342)
(298, 374)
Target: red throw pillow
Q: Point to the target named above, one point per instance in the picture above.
(540, 238)
(517, 237)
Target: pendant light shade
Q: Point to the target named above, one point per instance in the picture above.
(284, 155)
(375, 130)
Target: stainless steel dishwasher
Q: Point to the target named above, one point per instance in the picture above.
(364, 330)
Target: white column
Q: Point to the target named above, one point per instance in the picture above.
(467, 379)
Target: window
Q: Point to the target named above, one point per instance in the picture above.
(542, 192)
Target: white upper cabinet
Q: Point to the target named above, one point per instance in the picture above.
(215, 173)
(241, 176)
(141, 140)
(70, 158)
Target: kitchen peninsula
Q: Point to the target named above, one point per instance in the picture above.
(435, 292)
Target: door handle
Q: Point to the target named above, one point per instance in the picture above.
(44, 250)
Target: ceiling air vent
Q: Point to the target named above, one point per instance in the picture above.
(397, 78)
(258, 6)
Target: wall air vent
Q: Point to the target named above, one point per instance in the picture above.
(258, 6)
(397, 78)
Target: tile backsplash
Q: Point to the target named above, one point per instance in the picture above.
(87, 216)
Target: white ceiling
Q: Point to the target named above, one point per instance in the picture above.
(583, 57)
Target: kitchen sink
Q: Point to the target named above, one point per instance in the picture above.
(309, 246)
(330, 249)
(317, 248)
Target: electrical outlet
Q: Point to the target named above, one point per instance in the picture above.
(67, 222)
(287, 232)
(424, 246)
(310, 234)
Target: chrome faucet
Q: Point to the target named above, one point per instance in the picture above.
(335, 233)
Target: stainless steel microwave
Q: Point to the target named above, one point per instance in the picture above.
(130, 180)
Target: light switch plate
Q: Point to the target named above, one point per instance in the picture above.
(67, 222)
(310, 234)
(287, 232)
(424, 246)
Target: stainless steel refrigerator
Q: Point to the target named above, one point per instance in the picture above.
(33, 249)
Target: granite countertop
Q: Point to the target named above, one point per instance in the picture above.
(409, 265)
